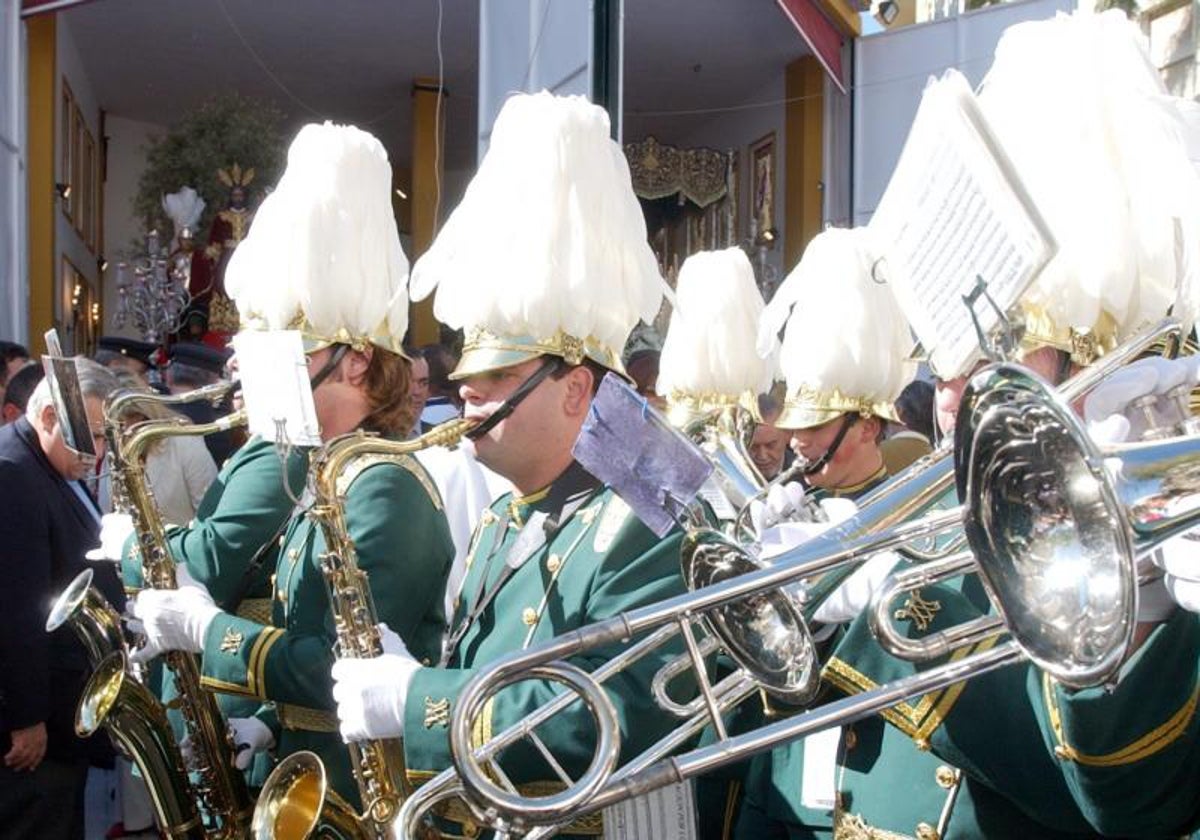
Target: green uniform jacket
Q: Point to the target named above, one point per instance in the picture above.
(599, 562)
(394, 518)
(1131, 753)
(243, 510)
(771, 794)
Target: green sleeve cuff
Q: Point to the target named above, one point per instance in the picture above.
(432, 696)
(235, 654)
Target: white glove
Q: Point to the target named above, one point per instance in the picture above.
(115, 529)
(783, 502)
(250, 736)
(785, 536)
(855, 593)
(173, 619)
(1180, 559)
(1156, 377)
(370, 693)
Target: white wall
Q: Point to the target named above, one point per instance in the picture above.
(14, 242)
(127, 140)
(528, 45)
(890, 72)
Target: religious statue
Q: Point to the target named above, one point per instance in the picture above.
(228, 229)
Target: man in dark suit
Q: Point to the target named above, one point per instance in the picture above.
(48, 521)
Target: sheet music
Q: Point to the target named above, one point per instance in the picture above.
(275, 386)
(953, 211)
(63, 380)
(665, 814)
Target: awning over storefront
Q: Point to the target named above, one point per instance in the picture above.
(825, 25)
(29, 8)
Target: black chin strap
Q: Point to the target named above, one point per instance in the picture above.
(339, 353)
(549, 365)
(816, 466)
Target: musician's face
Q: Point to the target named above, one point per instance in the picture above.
(947, 395)
(767, 448)
(529, 445)
(840, 471)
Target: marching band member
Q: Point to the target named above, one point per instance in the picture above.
(343, 287)
(709, 374)
(545, 264)
(843, 357)
(1123, 198)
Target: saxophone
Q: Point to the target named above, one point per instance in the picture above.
(220, 790)
(113, 698)
(378, 765)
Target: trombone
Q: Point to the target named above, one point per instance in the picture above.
(1059, 528)
(739, 601)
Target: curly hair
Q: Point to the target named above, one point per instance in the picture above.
(387, 383)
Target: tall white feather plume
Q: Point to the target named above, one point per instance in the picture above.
(710, 344)
(844, 330)
(1082, 113)
(324, 244)
(184, 209)
(549, 235)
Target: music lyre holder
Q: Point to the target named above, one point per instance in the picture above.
(998, 344)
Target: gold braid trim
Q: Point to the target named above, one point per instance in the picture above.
(1152, 742)
(408, 462)
(305, 719)
(919, 721)
(455, 811)
(258, 660)
(853, 827)
(257, 610)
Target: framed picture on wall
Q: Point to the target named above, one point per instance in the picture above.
(762, 184)
(65, 174)
(87, 189)
(78, 189)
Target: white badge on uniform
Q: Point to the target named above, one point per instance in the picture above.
(665, 814)
(818, 784)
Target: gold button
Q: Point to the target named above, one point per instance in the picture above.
(529, 616)
(946, 776)
(293, 553)
(927, 832)
(553, 562)
(850, 739)
(1061, 753)
(922, 744)
(282, 596)
(470, 829)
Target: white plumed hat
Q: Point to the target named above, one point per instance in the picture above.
(1084, 116)
(709, 358)
(846, 343)
(547, 252)
(323, 255)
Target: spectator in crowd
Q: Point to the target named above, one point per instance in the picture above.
(16, 392)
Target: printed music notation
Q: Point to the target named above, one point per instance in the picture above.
(955, 210)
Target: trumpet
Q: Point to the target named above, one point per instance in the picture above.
(738, 599)
(296, 799)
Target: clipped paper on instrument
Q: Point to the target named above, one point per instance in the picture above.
(628, 445)
(954, 211)
(665, 814)
(63, 380)
(275, 387)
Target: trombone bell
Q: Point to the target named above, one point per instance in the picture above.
(1055, 546)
